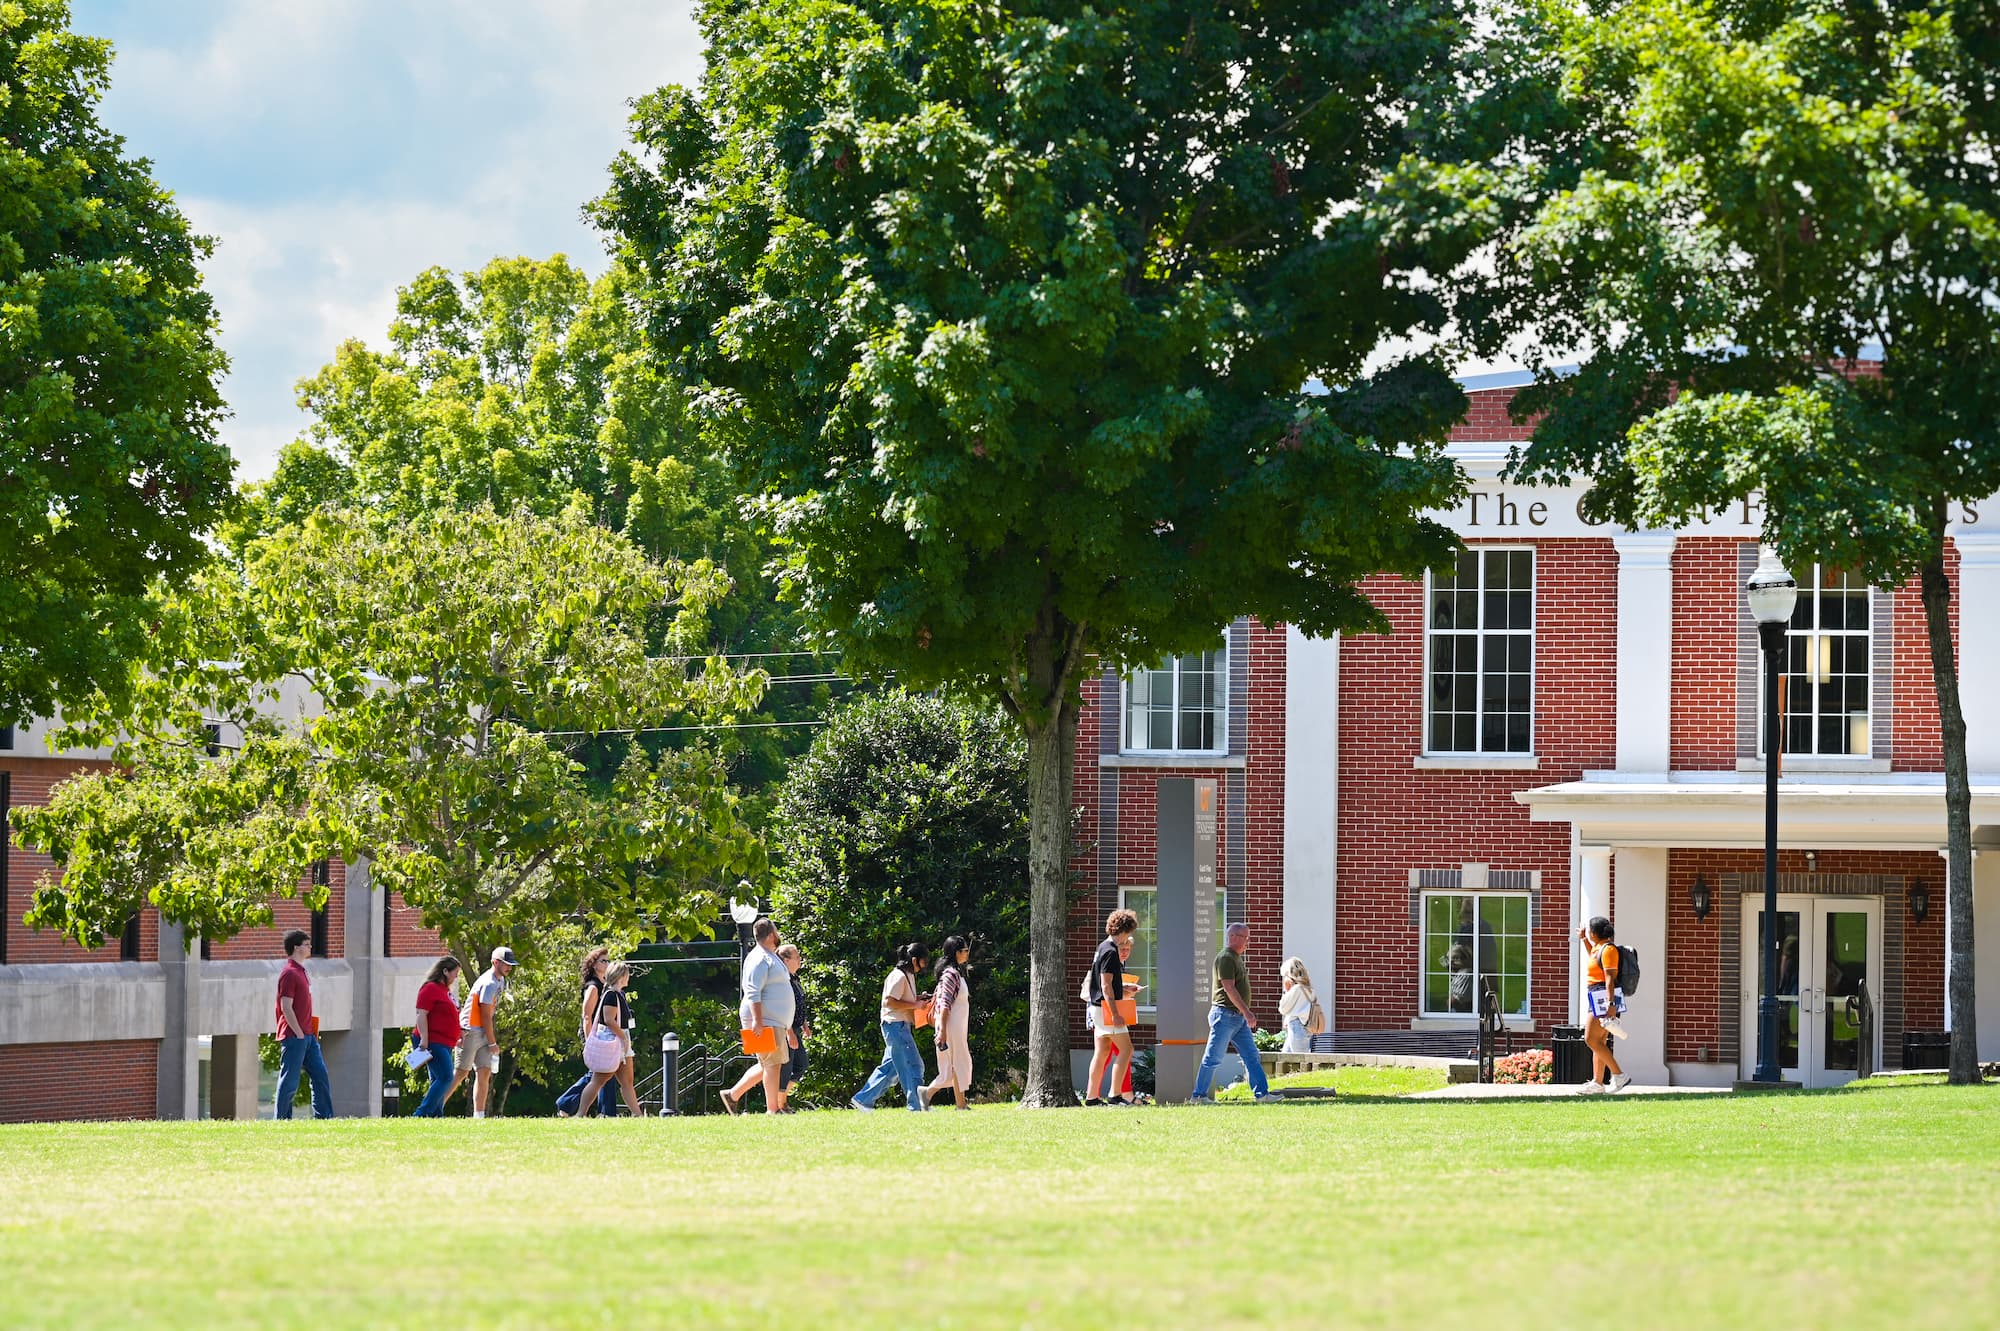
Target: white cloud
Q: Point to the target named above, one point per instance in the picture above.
(335, 149)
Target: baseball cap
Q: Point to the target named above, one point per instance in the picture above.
(505, 954)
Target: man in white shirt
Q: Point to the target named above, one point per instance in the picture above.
(478, 1050)
(766, 1008)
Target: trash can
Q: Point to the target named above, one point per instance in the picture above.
(1927, 1050)
(1569, 1056)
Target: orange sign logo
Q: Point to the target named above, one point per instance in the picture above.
(1205, 793)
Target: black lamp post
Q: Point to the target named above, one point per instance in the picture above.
(1772, 594)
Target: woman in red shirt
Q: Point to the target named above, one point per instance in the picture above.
(438, 1031)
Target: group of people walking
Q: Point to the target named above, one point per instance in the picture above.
(777, 1024)
(455, 1039)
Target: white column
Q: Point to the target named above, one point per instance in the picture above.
(1979, 645)
(1645, 650)
(1985, 949)
(1312, 769)
(1642, 925)
(1592, 897)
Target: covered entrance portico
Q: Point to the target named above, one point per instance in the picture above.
(1647, 848)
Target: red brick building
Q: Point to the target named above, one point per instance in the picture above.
(1566, 724)
(146, 1026)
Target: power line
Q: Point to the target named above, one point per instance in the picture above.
(670, 730)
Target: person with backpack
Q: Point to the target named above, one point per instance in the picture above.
(1299, 1008)
(901, 1061)
(1604, 1003)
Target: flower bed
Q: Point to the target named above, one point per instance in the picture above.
(1530, 1067)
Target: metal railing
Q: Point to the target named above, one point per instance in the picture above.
(1492, 1025)
(1861, 1011)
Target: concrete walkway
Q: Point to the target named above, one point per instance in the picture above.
(1476, 1091)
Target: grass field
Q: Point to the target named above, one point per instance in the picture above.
(1877, 1206)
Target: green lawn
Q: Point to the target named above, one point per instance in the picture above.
(1872, 1207)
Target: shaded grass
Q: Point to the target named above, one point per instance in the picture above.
(1872, 1207)
(1359, 1083)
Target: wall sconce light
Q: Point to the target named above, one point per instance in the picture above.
(1812, 861)
(1920, 902)
(1699, 898)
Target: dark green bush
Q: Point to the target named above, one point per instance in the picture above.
(905, 822)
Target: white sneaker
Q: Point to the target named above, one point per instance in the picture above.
(1591, 1088)
(1270, 1098)
(1619, 1083)
(856, 1104)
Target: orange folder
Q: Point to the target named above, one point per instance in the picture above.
(763, 1040)
(921, 1017)
(1118, 1012)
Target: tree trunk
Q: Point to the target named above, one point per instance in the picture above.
(1051, 752)
(1957, 812)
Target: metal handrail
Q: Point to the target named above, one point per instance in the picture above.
(1491, 1026)
(1861, 1011)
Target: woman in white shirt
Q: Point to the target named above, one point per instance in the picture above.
(1296, 1006)
(900, 1060)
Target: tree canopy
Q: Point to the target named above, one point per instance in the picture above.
(110, 470)
(1771, 195)
(525, 384)
(411, 690)
(1008, 312)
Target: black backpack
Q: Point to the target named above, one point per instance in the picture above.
(1628, 971)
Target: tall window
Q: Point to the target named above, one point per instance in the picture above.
(1144, 965)
(1480, 634)
(1177, 706)
(1467, 938)
(1827, 667)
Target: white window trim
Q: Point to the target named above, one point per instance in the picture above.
(1835, 761)
(1479, 694)
(1221, 893)
(1221, 714)
(1512, 1020)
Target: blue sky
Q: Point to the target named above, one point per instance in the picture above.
(335, 148)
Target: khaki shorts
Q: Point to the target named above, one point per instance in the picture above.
(777, 1058)
(476, 1050)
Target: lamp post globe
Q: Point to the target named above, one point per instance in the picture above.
(1773, 594)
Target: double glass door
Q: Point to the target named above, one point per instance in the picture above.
(1827, 946)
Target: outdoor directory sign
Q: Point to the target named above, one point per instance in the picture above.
(1184, 940)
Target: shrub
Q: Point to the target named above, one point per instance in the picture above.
(905, 822)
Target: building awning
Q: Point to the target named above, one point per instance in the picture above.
(1815, 812)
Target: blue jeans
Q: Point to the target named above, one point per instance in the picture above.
(1226, 1026)
(900, 1063)
(571, 1100)
(303, 1052)
(432, 1104)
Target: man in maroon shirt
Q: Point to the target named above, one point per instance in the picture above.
(298, 1032)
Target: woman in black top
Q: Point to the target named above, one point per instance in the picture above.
(594, 964)
(1107, 981)
(614, 1014)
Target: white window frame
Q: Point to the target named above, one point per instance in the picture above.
(1125, 903)
(1812, 588)
(1423, 924)
(1221, 747)
(1479, 637)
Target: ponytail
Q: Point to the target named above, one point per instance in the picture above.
(909, 954)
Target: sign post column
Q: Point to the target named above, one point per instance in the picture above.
(1184, 939)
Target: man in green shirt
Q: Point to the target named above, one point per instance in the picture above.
(1230, 1020)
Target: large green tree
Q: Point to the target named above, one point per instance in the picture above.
(413, 691)
(110, 471)
(1006, 311)
(1762, 195)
